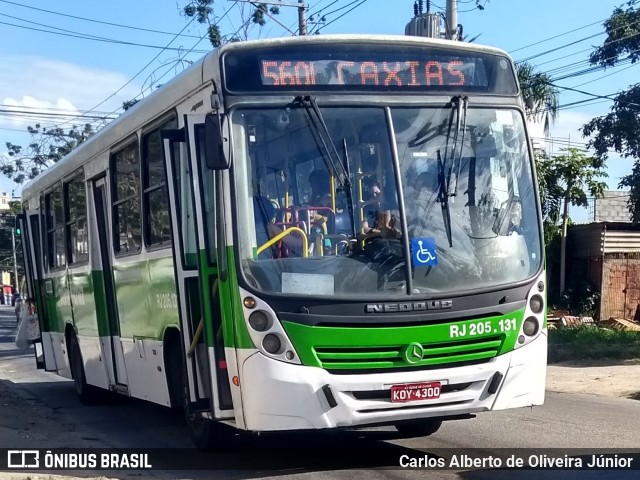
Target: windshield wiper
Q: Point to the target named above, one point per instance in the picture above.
(322, 131)
(461, 104)
(447, 187)
(443, 198)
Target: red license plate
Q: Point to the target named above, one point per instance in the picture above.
(413, 392)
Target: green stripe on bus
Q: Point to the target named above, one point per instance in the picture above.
(390, 347)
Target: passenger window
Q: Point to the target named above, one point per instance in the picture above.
(76, 220)
(55, 229)
(157, 224)
(127, 232)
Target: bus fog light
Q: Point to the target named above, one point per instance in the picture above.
(521, 339)
(271, 343)
(259, 321)
(536, 304)
(289, 355)
(530, 326)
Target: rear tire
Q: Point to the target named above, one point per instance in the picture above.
(422, 428)
(88, 394)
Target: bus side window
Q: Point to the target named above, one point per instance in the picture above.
(55, 228)
(127, 234)
(157, 227)
(75, 201)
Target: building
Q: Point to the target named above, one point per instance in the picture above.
(5, 198)
(607, 254)
(613, 207)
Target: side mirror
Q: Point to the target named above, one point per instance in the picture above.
(216, 143)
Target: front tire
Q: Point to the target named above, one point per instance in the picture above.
(422, 428)
(205, 434)
(88, 394)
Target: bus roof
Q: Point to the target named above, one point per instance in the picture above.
(203, 70)
(361, 38)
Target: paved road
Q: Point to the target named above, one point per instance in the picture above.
(51, 417)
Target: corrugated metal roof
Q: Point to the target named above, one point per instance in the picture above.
(616, 241)
(600, 238)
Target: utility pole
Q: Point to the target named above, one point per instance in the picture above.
(15, 262)
(302, 22)
(452, 20)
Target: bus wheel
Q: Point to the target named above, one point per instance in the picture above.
(423, 428)
(88, 394)
(205, 434)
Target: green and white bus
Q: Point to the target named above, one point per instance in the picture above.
(303, 233)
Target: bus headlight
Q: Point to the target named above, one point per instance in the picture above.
(271, 343)
(530, 326)
(259, 321)
(536, 304)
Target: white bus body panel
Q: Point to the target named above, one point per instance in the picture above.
(282, 396)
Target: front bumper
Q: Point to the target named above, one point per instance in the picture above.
(282, 396)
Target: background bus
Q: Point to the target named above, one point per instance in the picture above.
(304, 233)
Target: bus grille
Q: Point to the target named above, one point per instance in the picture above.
(393, 356)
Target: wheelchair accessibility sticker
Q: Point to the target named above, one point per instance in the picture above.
(423, 252)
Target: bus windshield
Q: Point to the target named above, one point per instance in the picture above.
(324, 209)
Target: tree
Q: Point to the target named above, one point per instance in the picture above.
(539, 95)
(618, 130)
(203, 11)
(567, 179)
(47, 146)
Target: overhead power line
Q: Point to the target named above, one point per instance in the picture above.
(94, 38)
(557, 36)
(362, 2)
(131, 27)
(137, 74)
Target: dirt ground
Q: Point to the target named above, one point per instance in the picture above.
(620, 379)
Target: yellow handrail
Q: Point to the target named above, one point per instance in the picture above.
(196, 337)
(284, 233)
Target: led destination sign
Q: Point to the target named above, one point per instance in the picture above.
(407, 73)
(350, 67)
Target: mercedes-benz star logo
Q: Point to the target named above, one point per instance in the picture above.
(413, 353)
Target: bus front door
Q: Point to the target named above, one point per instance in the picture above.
(106, 305)
(29, 224)
(196, 273)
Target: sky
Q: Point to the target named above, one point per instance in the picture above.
(49, 65)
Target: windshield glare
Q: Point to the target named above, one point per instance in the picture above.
(317, 221)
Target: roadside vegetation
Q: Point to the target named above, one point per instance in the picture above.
(591, 342)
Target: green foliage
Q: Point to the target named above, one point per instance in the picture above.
(203, 11)
(592, 343)
(590, 335)
(47, 146)
(581, 298)
(574, 174)
(618, 130)
(623, 37)
(571, 177)
(537, 87)
(128, 104)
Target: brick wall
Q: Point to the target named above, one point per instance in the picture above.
(620, 286)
